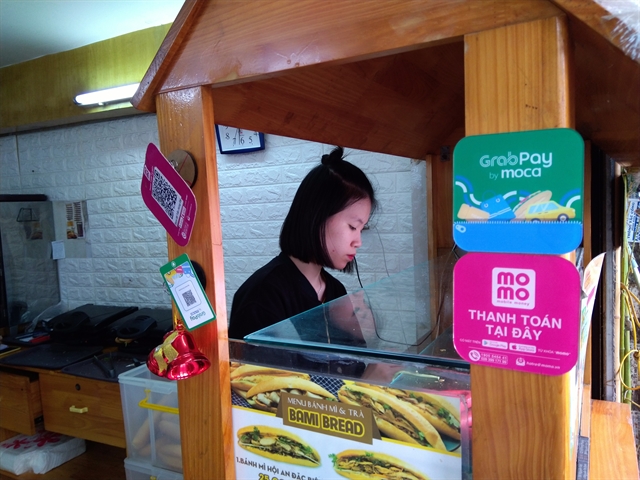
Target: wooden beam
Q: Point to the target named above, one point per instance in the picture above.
(608, 24)
(236, 41)
(185, 121)
(405, 104)
(607, 95)
(432, 250)
(587, 246)
(518, 78)
(613, 333)
(162, 61)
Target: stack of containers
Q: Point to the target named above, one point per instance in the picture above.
(152, 426)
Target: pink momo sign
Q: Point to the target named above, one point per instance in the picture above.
(520, 312)
(168, 196)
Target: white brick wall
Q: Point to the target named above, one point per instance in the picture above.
(257, 188)
(102, 164)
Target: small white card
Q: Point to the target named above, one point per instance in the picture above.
(57, 250)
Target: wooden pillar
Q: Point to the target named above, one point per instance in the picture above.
(518, 78)
(185, 121)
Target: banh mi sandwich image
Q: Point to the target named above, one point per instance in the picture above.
(395, 419)
(277, 444)
(245, 377)
(364, 465)
(266, 395)
(440, 413)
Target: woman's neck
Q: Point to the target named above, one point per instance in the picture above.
(313, 273)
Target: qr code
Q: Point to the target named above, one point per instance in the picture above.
(188, 298)
(187, 295)
(166, 196)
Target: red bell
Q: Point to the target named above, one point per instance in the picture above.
(190, 361)
(178, 357)
(152, 364)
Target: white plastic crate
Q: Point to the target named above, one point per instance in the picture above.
(151, 419)
(136, 470)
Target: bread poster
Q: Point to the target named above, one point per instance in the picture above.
(303, 426)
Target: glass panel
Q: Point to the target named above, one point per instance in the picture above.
(393, 318)
(26, 232)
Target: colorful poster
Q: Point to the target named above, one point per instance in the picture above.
(519, 192)
(519, 312)
(294, 425)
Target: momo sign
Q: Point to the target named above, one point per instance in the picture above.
(520, 312)
(513, 287)
(519, 192)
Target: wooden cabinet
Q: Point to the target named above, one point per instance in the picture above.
(20, 403)
(82, 407)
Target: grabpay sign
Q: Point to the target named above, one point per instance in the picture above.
(519, 192)
(520, 312)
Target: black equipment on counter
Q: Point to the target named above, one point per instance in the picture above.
(53, 356)
(143, 330)
(106, 366)
(86, 325)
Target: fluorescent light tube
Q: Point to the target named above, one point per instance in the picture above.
(110, 95)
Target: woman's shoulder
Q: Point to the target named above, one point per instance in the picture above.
(273, 274)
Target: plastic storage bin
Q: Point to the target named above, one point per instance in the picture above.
(135, 470)
(151, 419)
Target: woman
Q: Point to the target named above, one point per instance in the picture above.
(322, 230)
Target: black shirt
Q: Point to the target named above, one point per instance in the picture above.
(275, 292)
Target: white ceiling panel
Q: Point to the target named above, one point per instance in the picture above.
(33, 28)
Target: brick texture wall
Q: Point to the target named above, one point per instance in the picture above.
(102, 164)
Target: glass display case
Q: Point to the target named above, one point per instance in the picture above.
(360, 386)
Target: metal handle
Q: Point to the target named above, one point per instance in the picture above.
(75, 409)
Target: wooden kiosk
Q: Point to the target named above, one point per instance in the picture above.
(404, 77)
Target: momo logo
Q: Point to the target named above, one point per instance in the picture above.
(513, 288)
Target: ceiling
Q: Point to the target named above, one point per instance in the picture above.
(33, 28)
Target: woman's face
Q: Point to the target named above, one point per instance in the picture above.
(343, 232)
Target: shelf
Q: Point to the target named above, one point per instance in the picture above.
(612, 447)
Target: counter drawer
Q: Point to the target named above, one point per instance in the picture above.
(82, 407)
(20, 403)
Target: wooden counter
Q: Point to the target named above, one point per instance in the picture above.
(70, 405)
(612, 449)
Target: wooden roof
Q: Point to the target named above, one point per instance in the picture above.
(384, 76)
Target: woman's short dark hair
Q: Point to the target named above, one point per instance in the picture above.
(326, 190)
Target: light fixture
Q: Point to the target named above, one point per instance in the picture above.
(109, 95)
